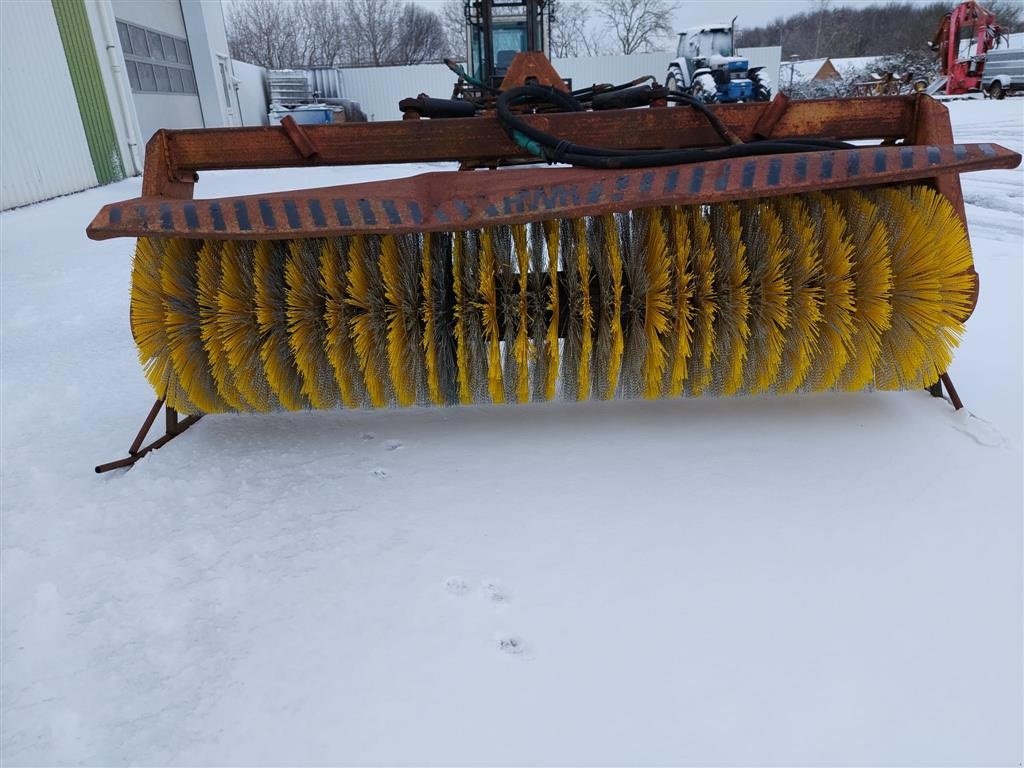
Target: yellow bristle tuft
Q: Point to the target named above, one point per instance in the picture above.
(307, 332)
(682, 285)
(180, 288)
(617, 348)
(953, 266)
(837, 298)
(429, 323)
(873, 278)
(282, 374)
(704, 267)
(461, 334)
(551, 338)
(807, 294)
(657, 305)
(207, 286)
(238, 328)
(368, 341)
(732, 293)
(488, 307)
(768, 255)
(337, 342)
(147, 317)
(521, 349)
(399, 364)
(932, 287)
(586, 309)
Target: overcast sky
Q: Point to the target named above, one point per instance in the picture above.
(752, 13)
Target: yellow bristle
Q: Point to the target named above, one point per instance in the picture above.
(837, 299)
(397, 323)
(207, 286)
(930, 257)
(282, 374)
(147, 316)
(733, 297)
(614, 254)
(807, 294)
(338, 343)
(304, 311)
(369, 343)
(551, 339)
(705, 308)
(429, 323)
(767, 257)
(521, 350)
(682, 328)
(180, 288)
(586, 309)
(873, 278)
(488, 307)
(658, 304)
(238, 329)
(953, 267)
(461, 334)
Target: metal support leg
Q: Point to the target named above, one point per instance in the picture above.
(172, 428)
(935, 390)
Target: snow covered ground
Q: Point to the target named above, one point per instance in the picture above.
(831, 579)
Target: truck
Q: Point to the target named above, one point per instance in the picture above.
(1004, 72)
(707, 67)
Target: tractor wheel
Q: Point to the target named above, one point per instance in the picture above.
(704, 89)
(674, 83)
(995, 90)
(762, 90)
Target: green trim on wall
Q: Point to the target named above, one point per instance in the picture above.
(76, 35)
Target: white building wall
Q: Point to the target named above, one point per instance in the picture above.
(211, 62)
(43, 150)
(161, 110)
(116, 85)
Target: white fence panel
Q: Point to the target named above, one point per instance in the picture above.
(43, 151)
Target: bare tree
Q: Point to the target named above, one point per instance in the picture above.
(324, 37)
(263, 33)
(453, 18)
(419, 37)
(573, 32)
(637, 25)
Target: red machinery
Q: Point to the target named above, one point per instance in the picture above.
(964, 74)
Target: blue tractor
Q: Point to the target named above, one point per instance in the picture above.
(707, 67)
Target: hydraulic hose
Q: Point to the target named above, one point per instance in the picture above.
(555, 150)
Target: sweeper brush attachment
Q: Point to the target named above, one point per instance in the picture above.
(784, 262)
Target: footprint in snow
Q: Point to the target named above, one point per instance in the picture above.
(977, 429)
(392, 445)
(456, 587)
(495, 592)
(514, 645)
(381, 473)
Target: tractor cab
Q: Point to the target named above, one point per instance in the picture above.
(499, 29)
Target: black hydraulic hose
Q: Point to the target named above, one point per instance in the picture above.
(555, 150)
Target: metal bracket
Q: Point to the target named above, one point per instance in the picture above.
(172, 428)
